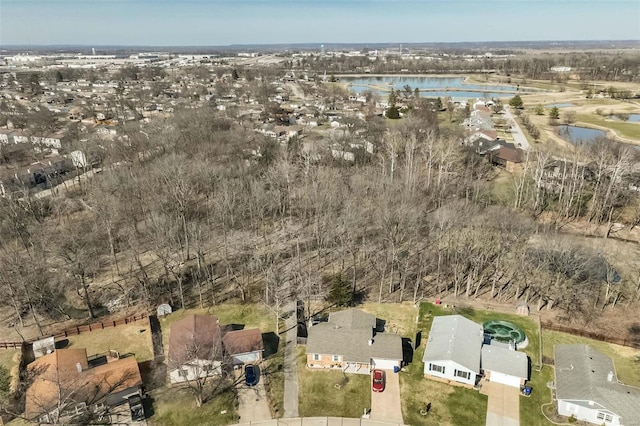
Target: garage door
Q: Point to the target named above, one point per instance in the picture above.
(505, 379)
(249, 358)
(384, 364)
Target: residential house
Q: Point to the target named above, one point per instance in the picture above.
(243, 346)
(350, 341)
(459, 352)
(65, 384)
(588, 390)
(195, 348)
(507, 156)
(453, 349)
(501, 364)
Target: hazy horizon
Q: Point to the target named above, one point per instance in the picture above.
(202, 23)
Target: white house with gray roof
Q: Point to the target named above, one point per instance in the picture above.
(588, 389)
(349, 341)
(453, 349)
(458, 351)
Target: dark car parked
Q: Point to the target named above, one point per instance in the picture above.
(251, 374)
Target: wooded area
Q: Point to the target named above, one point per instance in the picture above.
(201, 210)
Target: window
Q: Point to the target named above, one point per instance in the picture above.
(336, 358)
(316, 357)
(604, 416)
(435, 367)
(463, 374)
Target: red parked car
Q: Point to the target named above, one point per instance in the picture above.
(378, 381)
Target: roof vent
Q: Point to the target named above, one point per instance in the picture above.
(79, 367)
(610, 376)
(370, 342)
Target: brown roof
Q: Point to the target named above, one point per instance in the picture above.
(512, 155)
(56, 377)
(194, 337)
(243, 341)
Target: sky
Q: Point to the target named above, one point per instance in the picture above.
(225, 22)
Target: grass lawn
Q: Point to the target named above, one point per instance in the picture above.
(319, 397)
(625, 129)
(177, 407)
(530, 407)
(9, 359)
(124, 339)
(399, 317)
(450, 405)
(274, 374)
(626, 360)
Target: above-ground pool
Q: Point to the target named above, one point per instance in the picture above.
(505, 332)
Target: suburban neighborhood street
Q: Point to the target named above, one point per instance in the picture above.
(518, 137)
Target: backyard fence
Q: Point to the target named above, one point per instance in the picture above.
(74, 331)
(630, 341)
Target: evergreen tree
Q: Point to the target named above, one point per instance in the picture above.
(340, 293)
(516, 102)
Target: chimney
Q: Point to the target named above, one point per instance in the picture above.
(610, 376)
(370, 342)
(79, 367)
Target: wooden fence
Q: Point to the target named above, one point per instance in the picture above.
(98, 326)
(74, 331)
(630, 341)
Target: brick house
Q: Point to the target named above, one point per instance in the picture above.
(349, 341)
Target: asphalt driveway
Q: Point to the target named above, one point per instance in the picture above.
(503, 407)
(386, 405)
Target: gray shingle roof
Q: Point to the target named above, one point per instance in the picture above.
(505, 361)
(455, 338)
(348, 333)
(581, 374)
(353, 319)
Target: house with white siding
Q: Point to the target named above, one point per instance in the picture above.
(588, 389)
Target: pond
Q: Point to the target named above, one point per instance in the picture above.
(430, 86)
(565, 105)
(632, 118)
(577, 134)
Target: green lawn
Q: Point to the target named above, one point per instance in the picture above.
(625, 129)
(177, 407)
(274, 381)
(9, 359)
(319, 397)
(450, 405)
(530, 407)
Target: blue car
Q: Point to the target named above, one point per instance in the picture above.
(251, 375)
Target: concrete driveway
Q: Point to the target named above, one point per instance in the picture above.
(503, 407)
(253, 404)
(386, 405)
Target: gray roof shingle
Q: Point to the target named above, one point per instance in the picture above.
(582, 374)
(505, 361)
(348, 334)
(455, 338)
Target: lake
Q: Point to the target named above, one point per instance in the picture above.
(430, 86)
(578, 135)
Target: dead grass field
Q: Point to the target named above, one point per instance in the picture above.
(125, 339)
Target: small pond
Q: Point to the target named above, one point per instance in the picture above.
(566, 105)
(632, 118)
(577, 134)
